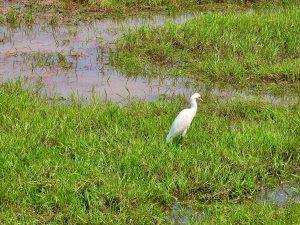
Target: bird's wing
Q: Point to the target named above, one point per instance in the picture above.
(181, 123)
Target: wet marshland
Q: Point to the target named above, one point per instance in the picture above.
(74, 60)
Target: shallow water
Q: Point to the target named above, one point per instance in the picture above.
(34, 53)
(281, 196)
(183, 215)
(74, 60)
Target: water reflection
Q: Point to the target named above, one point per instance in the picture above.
(74, 59)
(182, 215)
(281, 196)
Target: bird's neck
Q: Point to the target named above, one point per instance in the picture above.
(193, 105)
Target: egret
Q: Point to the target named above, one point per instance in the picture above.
(184, 119)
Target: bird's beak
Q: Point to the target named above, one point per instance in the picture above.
(201, 99)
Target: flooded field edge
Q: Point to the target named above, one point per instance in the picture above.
(70, 60)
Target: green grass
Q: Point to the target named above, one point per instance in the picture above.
(105, 164)
(73, 11)
(17, 15)
(44, 60)
(158, 4)
(231, 48)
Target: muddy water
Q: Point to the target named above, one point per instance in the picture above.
(183, 215)
(74, 60)
(281, 196)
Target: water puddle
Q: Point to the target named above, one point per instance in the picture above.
(183, 215)
(281, 196)
(74, 60)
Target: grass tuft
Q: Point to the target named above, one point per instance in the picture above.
(241, 49)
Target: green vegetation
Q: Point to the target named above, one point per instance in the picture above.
(242, 49)
(2, 19)
(105, 164)
(18, 14)
(101, 163)
(44, 60)
(72, 11)
(124, 4)
(121, 5)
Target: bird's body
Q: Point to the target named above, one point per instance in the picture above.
(184, 119)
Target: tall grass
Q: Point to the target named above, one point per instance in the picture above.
(243, 48)
(105, 164)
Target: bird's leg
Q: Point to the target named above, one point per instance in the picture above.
(180, 141)
(181, 137)
(183, 133)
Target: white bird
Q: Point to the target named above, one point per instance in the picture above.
(184, 119)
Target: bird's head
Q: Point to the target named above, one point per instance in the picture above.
(196, 96)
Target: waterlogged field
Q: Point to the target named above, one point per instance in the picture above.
(245, 49)
(15, 12)
(104, 160)
(105, 164)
